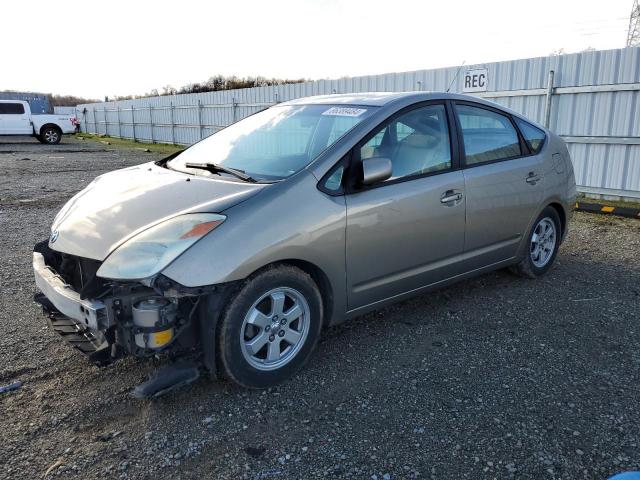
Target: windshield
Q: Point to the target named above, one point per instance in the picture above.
(275, 143)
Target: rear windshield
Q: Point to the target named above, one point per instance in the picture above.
(275, 143)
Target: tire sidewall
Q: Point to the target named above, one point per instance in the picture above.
(235, 365)
(550, 213)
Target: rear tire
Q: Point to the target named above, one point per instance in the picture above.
(270, 327)
(39, 138)
(51, 135)
(542, 245)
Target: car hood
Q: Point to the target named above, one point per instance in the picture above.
(120, 204)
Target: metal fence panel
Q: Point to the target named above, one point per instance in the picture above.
(64, 110)
(594, 105)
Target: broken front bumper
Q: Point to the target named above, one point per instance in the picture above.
(115, 319)
(88, 313)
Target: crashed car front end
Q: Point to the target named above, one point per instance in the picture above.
(108, 319)
(124, 305)
(100, 277)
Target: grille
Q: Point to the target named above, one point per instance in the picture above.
(78, 272)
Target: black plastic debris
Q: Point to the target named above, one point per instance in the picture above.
(167, 379)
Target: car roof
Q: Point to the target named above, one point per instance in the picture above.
(373, 99)
(381, 99)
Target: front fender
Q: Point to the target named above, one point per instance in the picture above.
(294, 221)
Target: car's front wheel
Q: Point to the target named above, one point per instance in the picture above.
(542, 245)
(271, 327)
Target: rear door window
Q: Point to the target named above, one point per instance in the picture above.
(11, 108)
(488, 136)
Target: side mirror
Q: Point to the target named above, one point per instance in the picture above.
(375, 170)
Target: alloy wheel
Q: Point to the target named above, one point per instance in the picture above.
(543, 242)
(275, 328)
(51, 136)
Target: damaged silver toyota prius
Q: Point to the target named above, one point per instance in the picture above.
(231, 256)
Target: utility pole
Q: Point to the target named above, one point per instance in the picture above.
(633, 37)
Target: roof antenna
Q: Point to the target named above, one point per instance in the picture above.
(455, 76)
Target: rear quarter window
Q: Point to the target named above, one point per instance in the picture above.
(532, 135)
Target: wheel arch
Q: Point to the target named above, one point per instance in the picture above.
(48, 125)
(217, 302)
(319, 277)
(560, 208)
(562, 214)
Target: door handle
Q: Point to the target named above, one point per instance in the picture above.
(450, 196)
(532, 179)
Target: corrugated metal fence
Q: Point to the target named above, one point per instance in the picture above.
(64, 110)
(592, 100)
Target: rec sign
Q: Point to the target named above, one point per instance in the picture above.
(475, 80)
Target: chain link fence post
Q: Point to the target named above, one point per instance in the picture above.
(234, 109)
(173, 126)
(200, 117)
(118, 117)
(133, 123)
(547, 106)
(151, 122)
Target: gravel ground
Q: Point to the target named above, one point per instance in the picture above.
(496, 377)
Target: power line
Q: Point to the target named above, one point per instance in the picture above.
(633, 36)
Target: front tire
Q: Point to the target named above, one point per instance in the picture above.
(270, 328)
(51, 135)
(542, 245)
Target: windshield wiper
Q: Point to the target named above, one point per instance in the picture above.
(215, 168)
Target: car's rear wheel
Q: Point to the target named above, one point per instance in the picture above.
(39, 138)
(542, 246)
(271, 327)
(51, 135)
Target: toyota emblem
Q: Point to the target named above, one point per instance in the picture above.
(54, 236)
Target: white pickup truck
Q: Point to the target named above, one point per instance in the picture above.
(16, 119)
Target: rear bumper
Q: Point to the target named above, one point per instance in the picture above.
(67, 301)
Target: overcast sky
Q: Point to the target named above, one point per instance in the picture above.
(119, 47)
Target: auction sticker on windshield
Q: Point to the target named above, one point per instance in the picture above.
(345, 111)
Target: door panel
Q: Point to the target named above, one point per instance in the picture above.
(503, 184)
(500, 204)
(401, 237)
